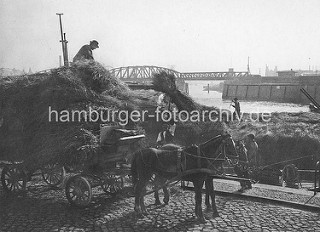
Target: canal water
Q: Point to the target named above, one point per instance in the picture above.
(214, 98)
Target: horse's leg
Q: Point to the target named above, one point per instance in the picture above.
(156, 196)
(139, 191)
(207, 200)
(198, 199)
(137, 199)
(166, 195)
(142, 205)
(213, 198)
(156, 192)
(145, 180)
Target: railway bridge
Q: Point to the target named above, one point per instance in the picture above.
(145, 73)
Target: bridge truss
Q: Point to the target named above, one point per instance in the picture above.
(145, 73)
(140, 72)
(213, 75)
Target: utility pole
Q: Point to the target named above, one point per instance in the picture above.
(60, 61)
(248, 66)
(64, 43)
(309, 64)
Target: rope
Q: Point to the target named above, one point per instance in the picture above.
(287, 161)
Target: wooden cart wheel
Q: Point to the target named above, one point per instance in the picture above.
(13, 179)
(78, 191)
(112, 184)
(53, 174)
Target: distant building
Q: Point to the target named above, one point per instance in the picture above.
(287, 73)
(270, 72)
(308, 72)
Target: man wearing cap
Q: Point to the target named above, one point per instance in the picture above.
(85, 52)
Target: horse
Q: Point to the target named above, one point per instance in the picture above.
(241, 168)
(193, 164)
(208, 185)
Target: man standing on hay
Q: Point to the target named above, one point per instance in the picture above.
(85, 52)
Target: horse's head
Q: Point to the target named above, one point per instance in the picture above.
(223, 148)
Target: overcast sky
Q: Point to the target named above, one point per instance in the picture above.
(187, 35)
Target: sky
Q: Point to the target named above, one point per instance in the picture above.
(185, 35)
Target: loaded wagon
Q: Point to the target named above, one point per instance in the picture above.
(106, 168)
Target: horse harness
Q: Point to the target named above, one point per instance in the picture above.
(182, 157)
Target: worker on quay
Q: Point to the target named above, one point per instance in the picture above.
(252, 148)
(242, 168)
(236, 106)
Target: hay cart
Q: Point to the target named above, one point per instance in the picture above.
(107, 168)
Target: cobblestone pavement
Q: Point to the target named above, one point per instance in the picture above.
(301, 196)
(45, 209)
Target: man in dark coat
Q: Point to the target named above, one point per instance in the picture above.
(236, 106)
(85, 52)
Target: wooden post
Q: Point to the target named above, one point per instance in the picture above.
(284, 94)
(247, 91)
(236, 91)
(208, 88)
(227, 92)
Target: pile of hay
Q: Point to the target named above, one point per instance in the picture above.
(26, 134)
(164, 82)
(285, 139)
(281, 150)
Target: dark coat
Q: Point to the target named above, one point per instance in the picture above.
(85, 53)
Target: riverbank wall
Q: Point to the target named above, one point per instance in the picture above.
(273, 89)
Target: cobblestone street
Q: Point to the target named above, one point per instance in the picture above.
(45, 209)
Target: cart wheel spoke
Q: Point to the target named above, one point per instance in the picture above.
(53, 174)
(13, 179)
(78, 191)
